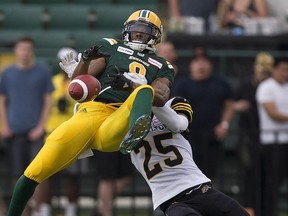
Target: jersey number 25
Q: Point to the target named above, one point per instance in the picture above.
(150, 173)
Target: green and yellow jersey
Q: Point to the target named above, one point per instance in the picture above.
(145, 63)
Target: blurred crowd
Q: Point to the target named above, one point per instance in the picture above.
(228, 17)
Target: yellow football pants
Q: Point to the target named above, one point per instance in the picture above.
(95, 125)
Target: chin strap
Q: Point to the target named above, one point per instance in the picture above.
(139, 47)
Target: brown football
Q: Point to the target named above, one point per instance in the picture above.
(84, 88)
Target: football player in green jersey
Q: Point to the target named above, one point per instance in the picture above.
(132, 77)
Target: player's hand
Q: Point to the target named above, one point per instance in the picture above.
(118, 81)
(136, 78)
(93, 53)
(68, 63)
(36, 133)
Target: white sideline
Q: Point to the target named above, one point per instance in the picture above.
(120, 202)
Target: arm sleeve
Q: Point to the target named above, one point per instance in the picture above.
(174, 120)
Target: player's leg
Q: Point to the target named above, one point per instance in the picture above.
(62, 148)
(214, 202)
(129, 124)
(135, 134)
(206, 201)
(42, 195)
(182, 209)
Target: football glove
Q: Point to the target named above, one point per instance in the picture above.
(136, 78)
(93, 53)
(118, 81)
(68, 63)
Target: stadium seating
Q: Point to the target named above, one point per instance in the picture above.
(112, 17)
(10, 2)
(52, 39)
(45, 2)
(92, 2)
(10, 36)
(133, 2)
(85, 39)
(101, 20)
(21, 17)
(68, 17)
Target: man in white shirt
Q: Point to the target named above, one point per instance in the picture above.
(165, 160)
(272, 100)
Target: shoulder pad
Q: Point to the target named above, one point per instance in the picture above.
(182, 105)
(111, 41)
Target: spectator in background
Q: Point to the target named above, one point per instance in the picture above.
(191, 8)
(211, 98)
(272, 101)
(115, 172)
(167, 51)
(230, 13)
(246, 105)
(278, 9)
(63, 110)
(25, 105)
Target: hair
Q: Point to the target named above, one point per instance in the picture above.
(25, 39)
(200, 53)
(265, 61)
(280, 60)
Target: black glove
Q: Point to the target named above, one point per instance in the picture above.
(118, 81)
(93, 53)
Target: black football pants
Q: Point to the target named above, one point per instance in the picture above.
(205, 201)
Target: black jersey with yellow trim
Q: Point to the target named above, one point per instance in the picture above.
(145, 63)
(182, 106)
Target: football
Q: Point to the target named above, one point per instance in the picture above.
(84, 88)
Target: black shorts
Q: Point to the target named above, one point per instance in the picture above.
(203, 200)
(112, 165)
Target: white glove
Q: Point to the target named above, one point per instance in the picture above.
(136, 78)
(68, 63)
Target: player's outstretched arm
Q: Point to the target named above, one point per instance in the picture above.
(174, 121)
(92, 62)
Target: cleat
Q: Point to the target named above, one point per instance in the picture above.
(136, 134)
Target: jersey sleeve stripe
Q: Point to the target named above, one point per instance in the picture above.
(111, 41)
(184, 109)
